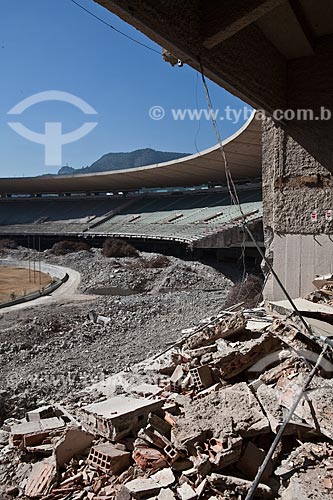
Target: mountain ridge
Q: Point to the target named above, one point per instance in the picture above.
(123, 161)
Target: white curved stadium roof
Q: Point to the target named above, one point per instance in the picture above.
(243, 152)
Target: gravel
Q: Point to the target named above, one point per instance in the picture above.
(48, 353)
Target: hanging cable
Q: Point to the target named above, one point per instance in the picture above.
(115, 29)
(326, 342)
(287, 419)
(234, 198)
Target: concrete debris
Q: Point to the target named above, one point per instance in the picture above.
(195, 423)
(96, 318)
(166, 494)
(237, 485)
(164, 477)
(142, 487)
(119, 416)
(73, 442)
(186, 492)
(233, 359)
(147, 390)
(40, 413)
(223, 326)
(32, 433)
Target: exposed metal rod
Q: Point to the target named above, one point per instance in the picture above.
(278, 437)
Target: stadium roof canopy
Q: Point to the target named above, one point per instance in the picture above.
(243, 152)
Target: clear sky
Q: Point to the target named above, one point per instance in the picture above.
(53, 45)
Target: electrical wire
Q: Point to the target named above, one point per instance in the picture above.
(234, 198)
(115, 29)
(326, 342)
(199, 122)
(262, 468)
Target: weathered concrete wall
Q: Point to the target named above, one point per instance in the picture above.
(297, 260)
(295, 185)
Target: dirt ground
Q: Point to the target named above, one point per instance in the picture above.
(15, 282)
(50, 352)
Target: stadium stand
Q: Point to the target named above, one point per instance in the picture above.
(184, 200)
(185, 217)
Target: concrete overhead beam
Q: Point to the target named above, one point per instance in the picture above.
(224, 19)
(239, 64)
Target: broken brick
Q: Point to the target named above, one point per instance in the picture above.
(109, 458)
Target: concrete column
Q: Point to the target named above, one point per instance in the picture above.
(298, 195)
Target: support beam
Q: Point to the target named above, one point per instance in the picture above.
(224, 19)
(303, 22)
(265, 89)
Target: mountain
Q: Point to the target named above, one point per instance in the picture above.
(119, 161)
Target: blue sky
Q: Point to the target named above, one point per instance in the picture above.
(53, 45)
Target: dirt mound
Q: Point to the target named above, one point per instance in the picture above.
(50, 352)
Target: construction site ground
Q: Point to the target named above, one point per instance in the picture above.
(108, 419)
(49, 352)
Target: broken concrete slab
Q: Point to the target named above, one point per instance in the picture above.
(146, 390)
(305, 306)
(166, 494)
(40, 413)
(316, 407)
(222, 327)
(186, 492)
(164, 477)
(200, 351)
(142, 487)
(30, 433)
(231, 359)
(270, 400)
(73, 442)
(118, 416)
(230, 410)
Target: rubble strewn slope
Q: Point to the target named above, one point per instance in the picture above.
(194, 422)
(50, 352)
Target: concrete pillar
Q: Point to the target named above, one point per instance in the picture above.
(298, 197)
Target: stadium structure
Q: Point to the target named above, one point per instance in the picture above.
(183, 203)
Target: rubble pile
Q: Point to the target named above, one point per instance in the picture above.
(195, 422)
(140, 274)
(59, 350)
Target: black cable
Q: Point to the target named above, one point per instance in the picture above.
(115, 29)
(234, 198)
(326, 341)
